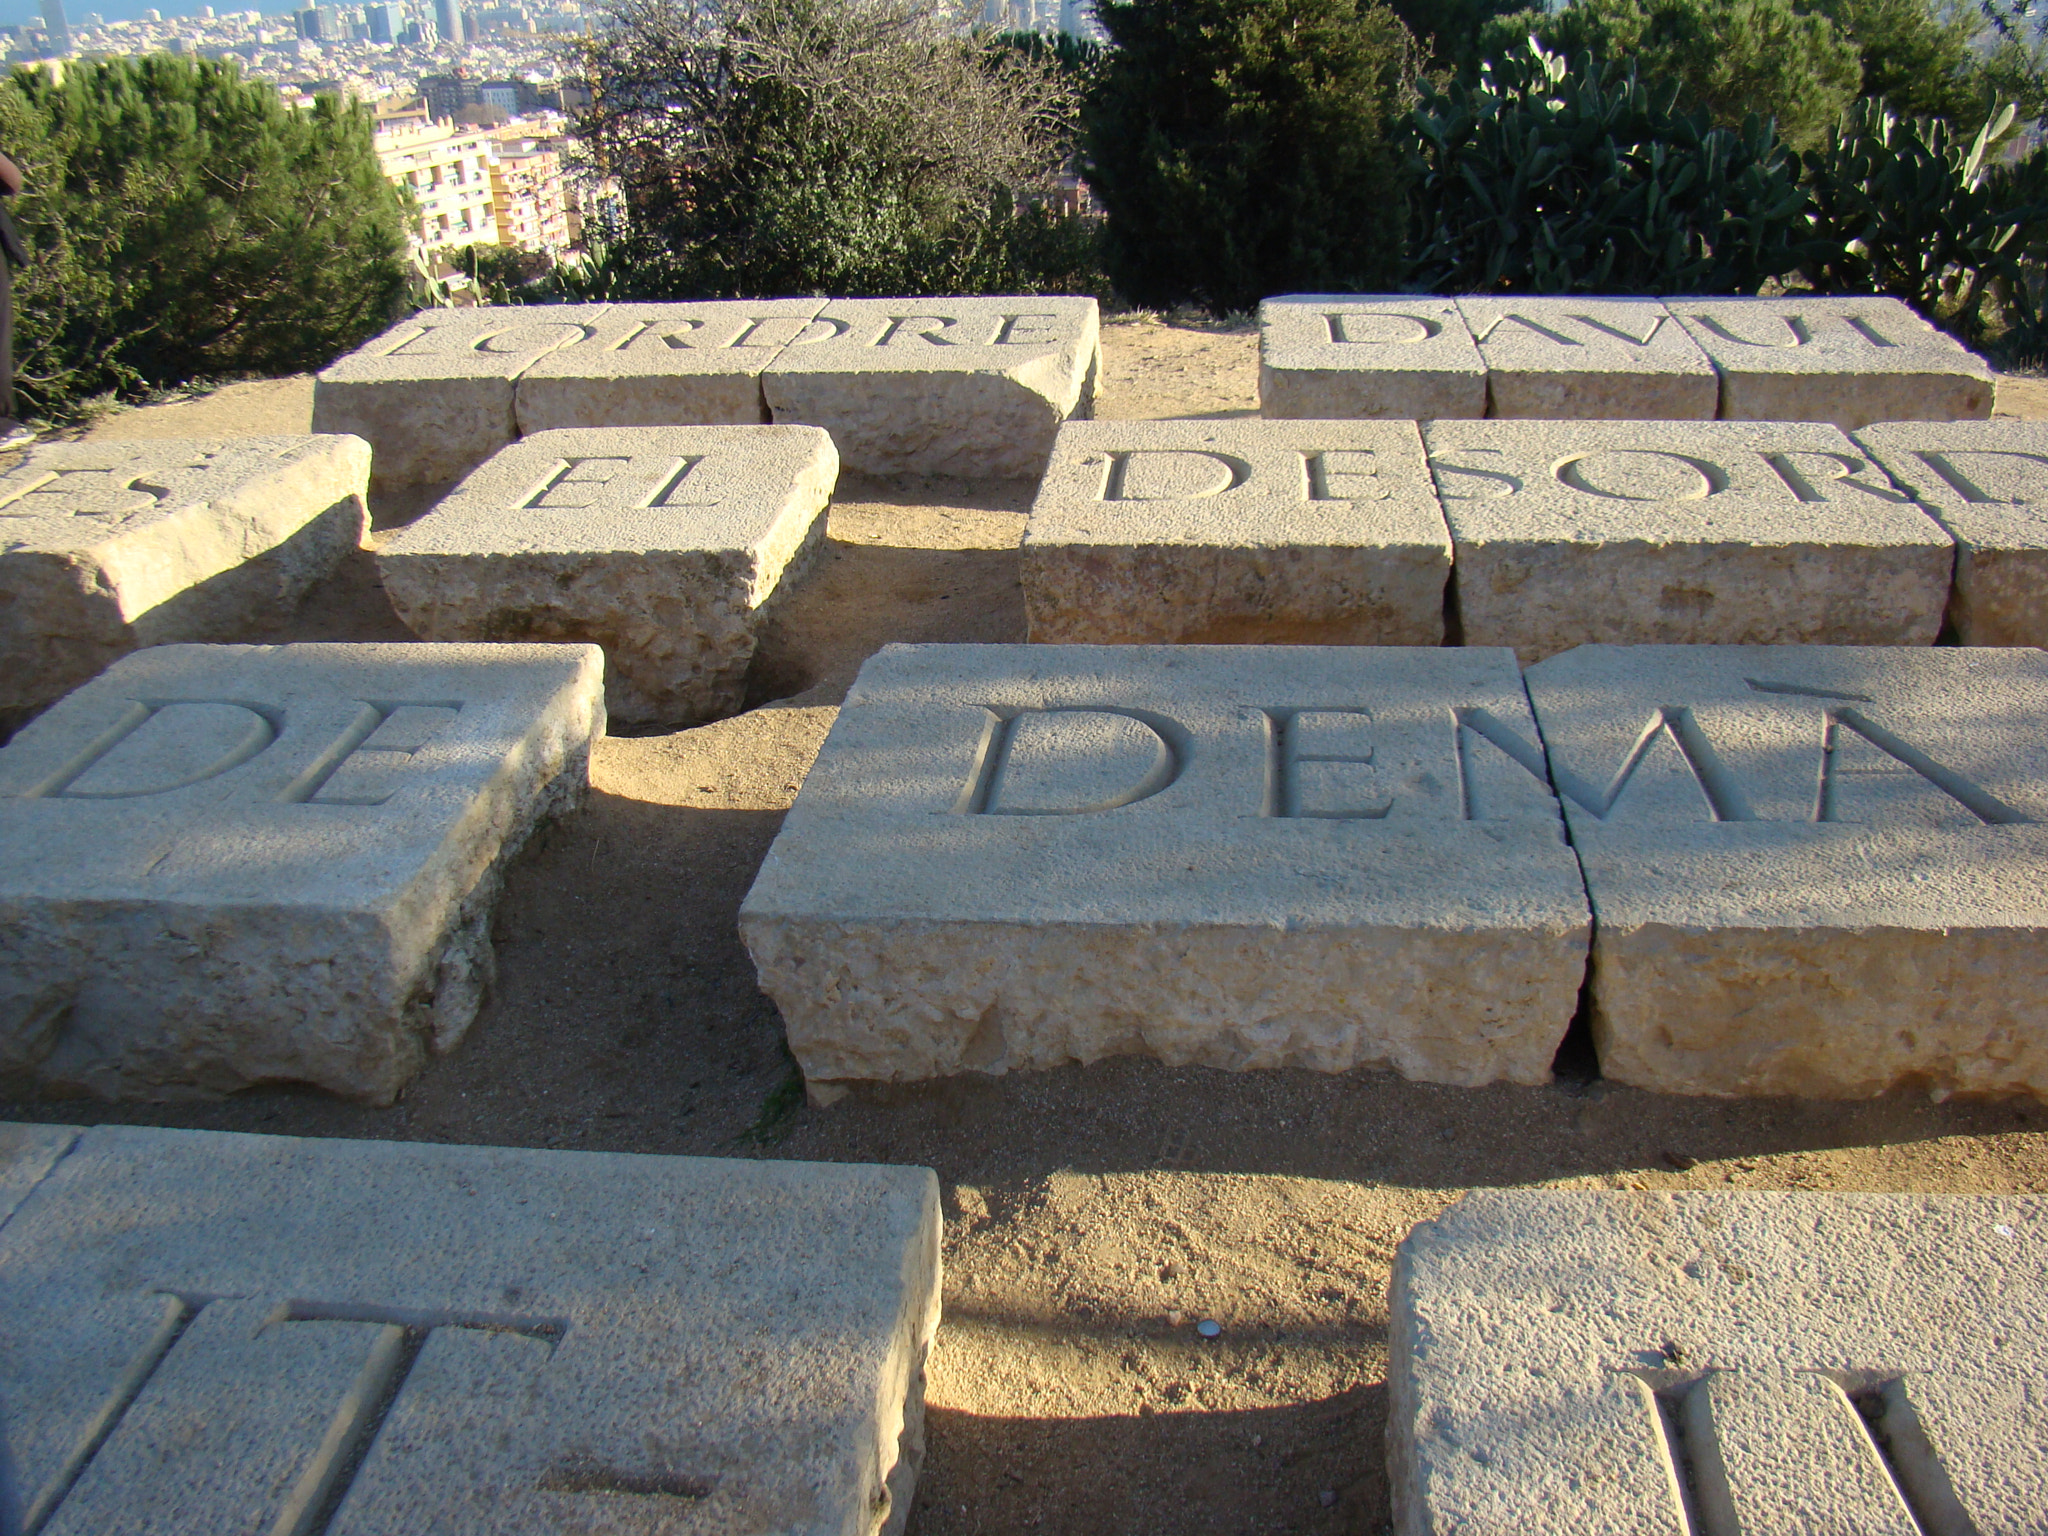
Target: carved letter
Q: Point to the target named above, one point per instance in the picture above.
(1944, 465)
(1489, 727)
(1284, 756)
(1342, 325)
(1441, 467)
(1573, 472)
(1724, 798)
(898, 322)
(1844, 467)
(1344, 474)
(983, 791)
(1987, 808)
(1800, 335)
(367, 734)
(1006, 333)
(1523, 320)
(1167, 474)
(257, 733)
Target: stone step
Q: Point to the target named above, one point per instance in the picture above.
(973, 387)
(661, 544)
(106, 547)
(1848, 361)
(1811, 870)
(209, 1332)
(1699, 1364)
(222, 865)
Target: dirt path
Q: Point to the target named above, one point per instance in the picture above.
(1094, 1215)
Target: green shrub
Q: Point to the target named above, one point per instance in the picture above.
(1241, 148)
(1539, 178)
(819, 146)
(1913, 208)
(183, 223)
(1732, 59)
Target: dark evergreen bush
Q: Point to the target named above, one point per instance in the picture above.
(1241, 148)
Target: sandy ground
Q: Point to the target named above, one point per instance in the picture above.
(1094, 1215)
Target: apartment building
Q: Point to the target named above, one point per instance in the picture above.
(448, 169)
(528, 191)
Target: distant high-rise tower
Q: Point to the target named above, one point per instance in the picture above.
(448, 21)
(56, 27)
(384, 21)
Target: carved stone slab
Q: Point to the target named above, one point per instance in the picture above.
(1815, 870)
(967, 387)
(1987, 481)
(223, 865)
(663, 365)
(1697, 1364)
(105, 547)
(1846, 360)
(209, 1332)
(1343, 356)
(1237, 531)
(1245, 856)
(433, 396)
(1552, 359)
(661, 544)
(1681, 532)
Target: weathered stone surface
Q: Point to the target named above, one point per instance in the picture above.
(968, 387)
(433, 396)
(1694, 533)
(1569, 1363)
(1988, 484)
(27, 1154)
(209, 1333)
(107, 547)
(663, 365)
(1813, 870)
(1849, 361)
(1402, 357)
(1323, 533)
(1246, 856)
(223, 865)
(1559, 359)
(660, 544)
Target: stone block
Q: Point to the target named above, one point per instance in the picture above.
(225, 865)
(1402, 357)
(208, 1332)
(1221, 532)
(1013, 857)
(108, 547)
(1814, 870)
(1700, 1364)
(663, 365)
(1850, 361)
(661, 544)
(1987, 482)
(1572, 359)
(1567, 533)
(974, 388)
(434, 395)
(27, 1154)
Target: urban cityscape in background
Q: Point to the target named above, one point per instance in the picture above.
(472, 103)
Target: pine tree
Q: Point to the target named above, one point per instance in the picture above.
(183, 223)
(1242, 148)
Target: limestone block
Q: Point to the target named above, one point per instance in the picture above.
(1987, 482)
(968, 387)
(1814, 870)
(1847, 360)
(106, 547)
(663, 365)
(1403, 357)
(1571, 359)
(225, 865)
(1687, 533)
(661, 544)
(209, 1332)
(1323, 533)
(27, 1154)
(433, 396)
(1012, 857)
(1697, 1364)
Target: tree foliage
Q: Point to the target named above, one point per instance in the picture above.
(1241, 148)
(821, 146)
(1539, 178)
(183, 223)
